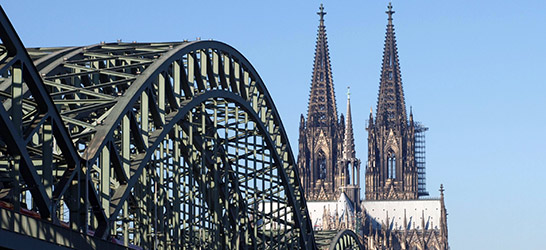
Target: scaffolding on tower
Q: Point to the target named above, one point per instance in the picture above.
(420, 157)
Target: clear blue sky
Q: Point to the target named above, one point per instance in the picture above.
(473, 71)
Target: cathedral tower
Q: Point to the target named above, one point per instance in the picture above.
(393, 215)
(392, 171)
(324, 170)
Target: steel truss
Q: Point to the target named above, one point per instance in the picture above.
(345, 240)
(151, 145)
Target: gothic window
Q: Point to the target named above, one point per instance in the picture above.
(349, 171)
(391, 165)
(390, 75)
(321, 163)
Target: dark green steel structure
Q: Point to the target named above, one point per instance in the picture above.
(143, 145)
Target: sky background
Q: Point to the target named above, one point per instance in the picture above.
(473, 71)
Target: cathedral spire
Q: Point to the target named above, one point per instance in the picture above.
(391, 171)
(322, 102)
(349, 141)
(391, 107)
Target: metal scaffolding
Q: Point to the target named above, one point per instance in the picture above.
(420, 157)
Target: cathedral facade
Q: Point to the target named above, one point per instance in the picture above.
(395, 214)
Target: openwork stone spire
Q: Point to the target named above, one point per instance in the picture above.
(349, 140)
(322, 102)
(391, 107)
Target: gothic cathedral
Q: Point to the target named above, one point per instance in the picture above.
(394, 214)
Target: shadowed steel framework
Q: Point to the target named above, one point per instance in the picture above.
(143, 145)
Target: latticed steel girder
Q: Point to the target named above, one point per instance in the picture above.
(346, 240)
(149, 145)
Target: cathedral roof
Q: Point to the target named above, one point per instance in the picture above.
(391, 107)
(322, 102)
(404, 214)
(345, 205)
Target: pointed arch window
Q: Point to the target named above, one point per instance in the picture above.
(321, 165)
(349, 169)
(391, 165)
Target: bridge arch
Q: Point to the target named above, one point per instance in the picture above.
(154, 145)
(175, 79)
(345, 240)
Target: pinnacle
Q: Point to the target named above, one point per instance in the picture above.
(349, 141)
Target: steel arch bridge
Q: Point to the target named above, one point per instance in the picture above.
(345, 240)
(144, 145)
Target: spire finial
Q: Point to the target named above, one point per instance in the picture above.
(348, 92)
(390, 12)
(442, 190)
(321, 13)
